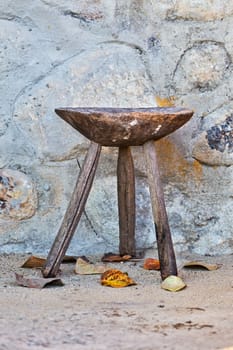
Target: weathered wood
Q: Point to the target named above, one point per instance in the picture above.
(74, 211)
(163, 234)
(126, 201)
(121, 127)
(125, 126)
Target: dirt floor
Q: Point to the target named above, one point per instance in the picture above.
(83, 314)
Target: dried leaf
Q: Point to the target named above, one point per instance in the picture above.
(69, 259)
(83, 267)
(195, 308)
(34, 262)
(37, 282)
(110, 257)
(173, 284)
(151, 264)
(201, 264)
(116, 279)
(165, 102)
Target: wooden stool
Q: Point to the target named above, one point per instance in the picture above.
(120, 127)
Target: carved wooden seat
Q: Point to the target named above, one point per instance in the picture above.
(120, 127)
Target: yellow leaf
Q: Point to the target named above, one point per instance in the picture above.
(116, 279)
(165, 101)
(198, 264)
(173, 284)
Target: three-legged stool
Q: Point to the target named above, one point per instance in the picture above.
(122, 128)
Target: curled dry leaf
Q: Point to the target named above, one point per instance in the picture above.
(202, 264)
(37, 282)
(151, 264)
(34, 262)
(69, 259)
(116, 279)
(110, 257)
(173, 283)
(83, 267)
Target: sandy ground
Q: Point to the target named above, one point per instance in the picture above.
(82, 314)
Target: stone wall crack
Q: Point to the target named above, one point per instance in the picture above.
(26, 21)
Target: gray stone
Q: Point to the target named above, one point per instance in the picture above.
(200, 10)
(86, 12)
(3, 126)
(202, 223)
(203, 67)
(18, 197)
(118, 79)
(214, 146)
(102, 210)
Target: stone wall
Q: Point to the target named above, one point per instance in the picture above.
(115, 53)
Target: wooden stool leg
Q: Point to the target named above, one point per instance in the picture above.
(163, 234)
(126, 201)
(74, 211)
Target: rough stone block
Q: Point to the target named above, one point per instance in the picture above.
(18, 196)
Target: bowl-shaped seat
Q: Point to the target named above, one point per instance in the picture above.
(125, 126)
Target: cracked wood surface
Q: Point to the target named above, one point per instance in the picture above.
(125, 126)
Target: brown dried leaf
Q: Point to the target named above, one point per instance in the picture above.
(116, 279)
(34, 262)
(83, 267)
(151, 264)
(202, 264)
(110, 257)
(195, 308)
(173, 283)
(165, 101)
(37, 282)
(69, 259)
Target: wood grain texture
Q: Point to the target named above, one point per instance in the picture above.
(121, 127)
(163, 234)
(125, 126)
(74, 211)
(126, 201)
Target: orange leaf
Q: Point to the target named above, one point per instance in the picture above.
(116, 279)
(34, 262)
(165, 102)
(151, 264)
(110, 257)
